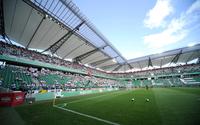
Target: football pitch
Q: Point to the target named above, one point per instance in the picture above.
(166, 106)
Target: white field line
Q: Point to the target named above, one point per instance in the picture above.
(84, 99)
(89, 116)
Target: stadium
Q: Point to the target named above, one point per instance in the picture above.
(58, 68)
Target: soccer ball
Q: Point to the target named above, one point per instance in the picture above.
(30, 102)
(132, 99)
(147, 100)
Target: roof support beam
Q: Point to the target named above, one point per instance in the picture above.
(129, 65)
(87, 54)
(13, 16)
(2, 26)
(161, 62)
(190, 57)
(198, 61)
(27, 46)
(176, 58)
(150, 63)
(117, 68)
(139, 65)
(28, 19)
(54, 47)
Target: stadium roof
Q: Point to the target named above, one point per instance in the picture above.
(40, 24)
(58, 26)
(177, 56)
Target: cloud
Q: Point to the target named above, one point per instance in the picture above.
(194, 7)
(155, 17)
(177, 29)
(172, 34)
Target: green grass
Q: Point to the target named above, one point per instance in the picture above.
(167, 106)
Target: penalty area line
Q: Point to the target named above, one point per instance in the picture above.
(89, 116)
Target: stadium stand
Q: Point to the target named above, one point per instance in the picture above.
(14, 77)
(79, 78)
(26, 68)
(28, 78)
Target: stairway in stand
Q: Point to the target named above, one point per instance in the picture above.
(189, 80)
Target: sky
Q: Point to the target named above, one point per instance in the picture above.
(143, 27)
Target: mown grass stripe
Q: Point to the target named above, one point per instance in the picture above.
(98, 96)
